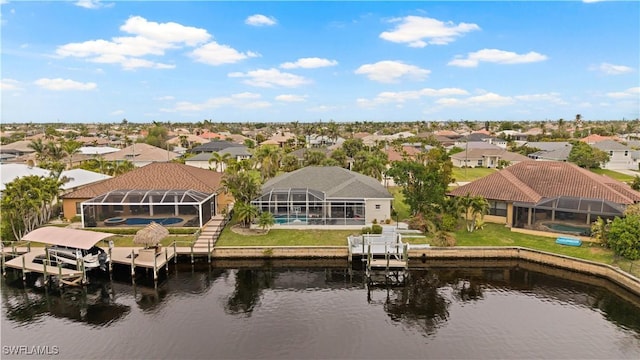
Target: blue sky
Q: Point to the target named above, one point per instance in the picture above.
(103, 61)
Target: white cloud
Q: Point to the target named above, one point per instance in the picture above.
(419, 31)
(260, 20)
(240, 100)
(92, 4)
(291, 98)
(270, 78)
(322, 108)
(216, 54)
(633, 92)
(389, 71)
(547, 98)
(488, 99)
(611, 69)
(403, 96)
(150, 38)
(117, 112)
(496, 56)
(165, 98)
(169, 33)
(309, 63)
(10, 85)
(59, 84)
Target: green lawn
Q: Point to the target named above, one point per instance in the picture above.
(470, 174)
(614, 175)
(280, 237)
(399, 205)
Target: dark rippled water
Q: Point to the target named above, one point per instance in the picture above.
(291, 311)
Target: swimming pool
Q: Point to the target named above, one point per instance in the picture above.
(566, 228)
(147, 221)
(291, 220)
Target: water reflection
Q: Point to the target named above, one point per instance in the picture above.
(289, 310)
(93, 305)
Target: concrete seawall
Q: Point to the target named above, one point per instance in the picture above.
(609, 272)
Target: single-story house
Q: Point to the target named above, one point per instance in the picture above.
(541, 194)
(141, 154)
(489, 158)
(75, 178)
(325, 195)
(201, 160)
(172, 193)
(213, 146)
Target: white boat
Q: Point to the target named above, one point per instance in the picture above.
(93, 258)
(70, 247)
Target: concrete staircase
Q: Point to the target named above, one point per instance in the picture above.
(209, 235)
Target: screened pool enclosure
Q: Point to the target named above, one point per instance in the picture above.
(186, 208)
(305, 206)
(553, 213)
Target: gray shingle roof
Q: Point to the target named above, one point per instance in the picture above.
(334, 181)
(608, 145)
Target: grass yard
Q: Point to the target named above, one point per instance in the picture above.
(281, 237)
(399, 205)
(470, 174)
(127, 240)
(614, 175)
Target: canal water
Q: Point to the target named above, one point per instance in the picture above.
(322, 310)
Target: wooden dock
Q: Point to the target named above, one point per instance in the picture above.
(153, 259)
(26, 264)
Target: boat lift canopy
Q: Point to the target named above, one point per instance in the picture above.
(73, 238)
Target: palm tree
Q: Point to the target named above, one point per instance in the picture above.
(472, 207)
(221, 160)
(245, 212)
(55, 151)
(268, 159)
(266, 220)
(70, 148)
(39, 147)
(313, 157)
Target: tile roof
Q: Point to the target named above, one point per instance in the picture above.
(156, 176)
(531, 181)
(594, 138)
(141, 152)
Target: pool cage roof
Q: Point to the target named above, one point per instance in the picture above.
(292, 195)
(168, 197)
(576, 205)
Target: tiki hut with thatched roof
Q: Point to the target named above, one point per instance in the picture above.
(151, 235)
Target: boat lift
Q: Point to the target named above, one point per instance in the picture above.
(385, 256)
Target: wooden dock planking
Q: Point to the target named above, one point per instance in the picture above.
(123, 256)
(392, 264)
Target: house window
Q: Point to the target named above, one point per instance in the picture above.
(498, 208)
(610, 153)
(626, 153)
(378, 207)
(78, 207)
(479, 162)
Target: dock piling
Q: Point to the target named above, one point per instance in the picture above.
(133, 266)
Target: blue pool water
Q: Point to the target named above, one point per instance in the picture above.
(565, 228)
(147, 221)
(291, 220)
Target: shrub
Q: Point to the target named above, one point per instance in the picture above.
(624, 236)
(366, 230)
(449, 222)
(376, 229)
